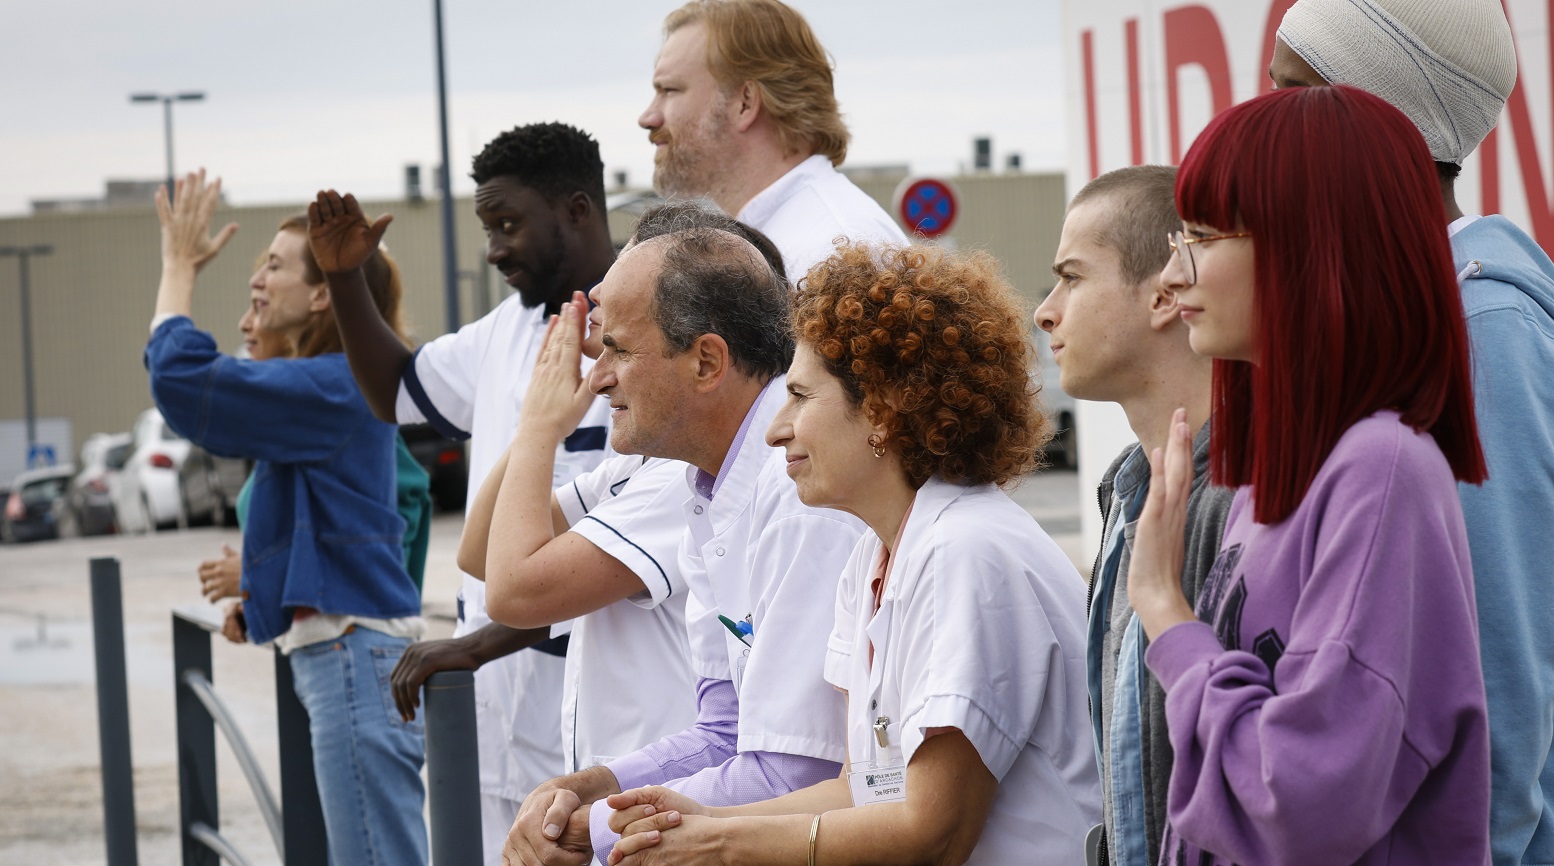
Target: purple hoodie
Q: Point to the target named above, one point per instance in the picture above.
(1334, 711)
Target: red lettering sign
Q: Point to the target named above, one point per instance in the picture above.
(1192, 37)
(1539, 212)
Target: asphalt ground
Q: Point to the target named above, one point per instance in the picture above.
(51, 809)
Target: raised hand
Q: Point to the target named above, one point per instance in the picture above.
(558, 395)
(186, 239)
(1155, 569)
(341, 237)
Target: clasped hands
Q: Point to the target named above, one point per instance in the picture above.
(552, 829)
(644, 816)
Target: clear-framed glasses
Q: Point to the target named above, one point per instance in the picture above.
(1182, 246)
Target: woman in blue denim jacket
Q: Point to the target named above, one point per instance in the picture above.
(323, 574)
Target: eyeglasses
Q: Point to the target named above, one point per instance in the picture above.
(1182, 246)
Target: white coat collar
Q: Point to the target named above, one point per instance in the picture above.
(766, 202)
(737, 481)
(932, 498)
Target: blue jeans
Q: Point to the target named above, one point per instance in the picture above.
(366, 760)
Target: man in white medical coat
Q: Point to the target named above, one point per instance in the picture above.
(695, 335)
(744, 113)
(540, 198)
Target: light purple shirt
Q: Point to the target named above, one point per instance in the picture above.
(703, 763)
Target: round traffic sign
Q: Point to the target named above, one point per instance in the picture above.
(926, 206)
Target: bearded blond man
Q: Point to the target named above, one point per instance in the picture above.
(744, 114)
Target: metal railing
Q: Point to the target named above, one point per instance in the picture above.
(452, 768)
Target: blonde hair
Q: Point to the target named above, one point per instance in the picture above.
(770, 45)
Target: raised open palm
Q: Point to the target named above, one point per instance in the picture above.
(341, 237)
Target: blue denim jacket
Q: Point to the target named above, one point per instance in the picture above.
(1123, 775)
(324, 530)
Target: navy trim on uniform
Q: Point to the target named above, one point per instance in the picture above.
(615, 489)
(579, 495)
(424, 403)
(667, 585)
(587, 439)
(554, 646)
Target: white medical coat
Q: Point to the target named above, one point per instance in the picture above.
(807, 209)
(981, 628)
(754, 550)
(472, 382)
(628, 670)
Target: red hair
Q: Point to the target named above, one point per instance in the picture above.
(1356, 304)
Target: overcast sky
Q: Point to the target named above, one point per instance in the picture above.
(308, 94)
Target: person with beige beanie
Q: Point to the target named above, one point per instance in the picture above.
(1450, 65)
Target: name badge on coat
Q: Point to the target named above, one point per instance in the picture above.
(877, 782)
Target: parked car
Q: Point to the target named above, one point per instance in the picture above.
(32, 510)
(444, 459)
(148, 497)
(209, 486)
(89, 500)
(1063, 449)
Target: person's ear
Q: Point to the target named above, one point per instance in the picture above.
(711, 361)
(747, 104)
(579, 207)
(1165, 307)
(318, 298)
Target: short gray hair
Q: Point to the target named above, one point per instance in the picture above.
(678, 215)
(715, 282)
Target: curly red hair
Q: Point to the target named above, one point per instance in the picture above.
(933, 347)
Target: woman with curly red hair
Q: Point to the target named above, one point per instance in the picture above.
(959, 636)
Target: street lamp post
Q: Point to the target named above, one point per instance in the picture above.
(167, 100)
(450, 263)
(24, 254)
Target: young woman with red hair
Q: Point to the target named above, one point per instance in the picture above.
(1334, 710)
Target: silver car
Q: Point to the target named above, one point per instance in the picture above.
(89, 501)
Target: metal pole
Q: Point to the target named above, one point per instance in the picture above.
(113, 730)
(167, 125)
(450, 264)
(302, 815)
(210, 838)
(453, 768)
(32, 409)
(269, 810)
(197, 803)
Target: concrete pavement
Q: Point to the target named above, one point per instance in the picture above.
(50, 788)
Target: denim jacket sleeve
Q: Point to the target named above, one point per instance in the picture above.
(286, 411)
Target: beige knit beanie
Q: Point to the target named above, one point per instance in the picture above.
(1447, 64)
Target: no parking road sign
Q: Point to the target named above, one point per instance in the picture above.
(926, 206)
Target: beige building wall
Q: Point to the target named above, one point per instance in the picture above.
(92, 299)
(1016, 217)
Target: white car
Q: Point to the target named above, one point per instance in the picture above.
(147, 495)
(92, 492)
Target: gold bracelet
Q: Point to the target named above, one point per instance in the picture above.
(814, 830)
